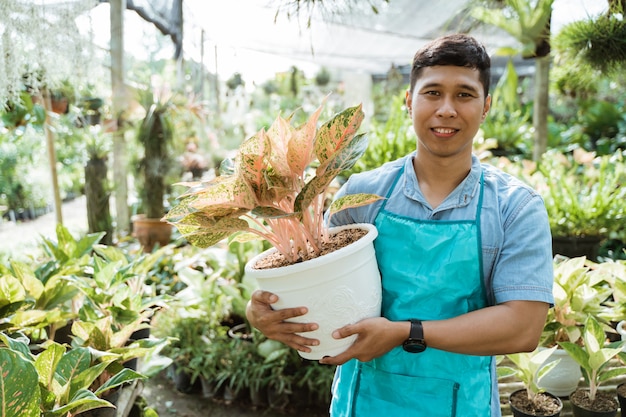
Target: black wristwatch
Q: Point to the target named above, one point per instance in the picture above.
(415, 343)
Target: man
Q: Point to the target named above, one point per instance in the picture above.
(464, 252)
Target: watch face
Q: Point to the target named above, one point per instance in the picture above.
(414, 346)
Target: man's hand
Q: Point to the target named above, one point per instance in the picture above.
(375, 337)
(274, 325)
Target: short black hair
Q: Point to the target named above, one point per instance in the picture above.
(458, 49)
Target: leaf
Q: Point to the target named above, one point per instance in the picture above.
(83, 400)
(204, 232)
(300, 150)
(27, 278)
(352, 201)
(122, 377)
(47, 362)
(19, 396)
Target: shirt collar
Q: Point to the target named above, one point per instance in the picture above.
(461, 196)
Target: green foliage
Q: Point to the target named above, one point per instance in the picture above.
(388, 140)
(578, 293)
(508, 121)
(598, 42)
(529, 370)
(582, 192)
(594, 356)
(66, 379)
(526, 21)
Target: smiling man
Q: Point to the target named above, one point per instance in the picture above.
(464, 252)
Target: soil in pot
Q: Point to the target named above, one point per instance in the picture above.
(545, 404)
(604, 405)
(337, 241)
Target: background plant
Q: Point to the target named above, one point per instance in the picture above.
(594, 356)
(528, 369)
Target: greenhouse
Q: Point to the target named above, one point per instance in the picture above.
(312, 208)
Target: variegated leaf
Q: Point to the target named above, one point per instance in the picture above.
(280, 134)
(19, 395)
(300, 151)
(230, 193)
(252, 162)
(271, 213)
(334, 135)
(352, 201)
(347, 155)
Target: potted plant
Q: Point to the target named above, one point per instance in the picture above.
(583, 196)
(578, 293)
(594, 357)
(269, 191)
(532, 400)
(156, 135)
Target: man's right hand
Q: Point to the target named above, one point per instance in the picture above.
(274, 325)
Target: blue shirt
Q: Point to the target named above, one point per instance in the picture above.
(515, 233)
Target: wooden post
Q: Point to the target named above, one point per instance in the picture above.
(52, 159)
(119, 101)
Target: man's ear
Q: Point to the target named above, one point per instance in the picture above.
(486, 107)
(408, 101)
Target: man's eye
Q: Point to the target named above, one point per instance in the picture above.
(432, 93)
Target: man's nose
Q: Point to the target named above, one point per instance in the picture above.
(447, 108)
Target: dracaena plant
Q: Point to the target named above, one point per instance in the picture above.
(269, 188)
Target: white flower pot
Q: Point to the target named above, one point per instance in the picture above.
(564, 378)
(339, 288)
(621, 329)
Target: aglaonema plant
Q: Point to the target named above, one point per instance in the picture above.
(594, 356)
(269, 189)
(528, 369)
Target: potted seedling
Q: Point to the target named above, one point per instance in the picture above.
(578, 293)
(532, 400)
(271, 190)
(594, 357)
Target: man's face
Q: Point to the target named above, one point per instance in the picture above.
(447, 107)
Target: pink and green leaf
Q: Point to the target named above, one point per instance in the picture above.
(300, 149)
(336, 134)
(352, 201)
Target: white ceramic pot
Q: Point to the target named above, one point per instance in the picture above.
(621, 329)
(339, 288)
(564, 378)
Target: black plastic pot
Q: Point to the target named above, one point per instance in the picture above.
(181, 379)
(579, 411)
(575, 246)
(519, 413)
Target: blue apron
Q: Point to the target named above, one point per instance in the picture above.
(431, 270)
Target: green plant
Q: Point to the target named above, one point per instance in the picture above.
(583, 193)
(578, 294)
(594, 356)
(46, 289)
(116, 288)
(508, 121)
(64, 378)
(596, 42)
(587, 199)
(156, 134)
(529, 370)
(269, 185)
(389, 139)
